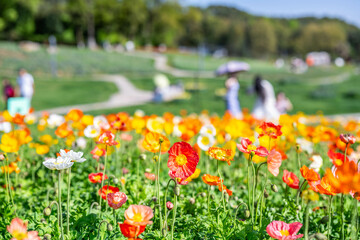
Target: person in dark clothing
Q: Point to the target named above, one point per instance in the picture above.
(8, 91)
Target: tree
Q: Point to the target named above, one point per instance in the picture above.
(262, 38)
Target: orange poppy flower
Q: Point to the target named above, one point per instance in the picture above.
(131, 231)
(151, 142)
(223, 187)
(96, 177)
(182, 160)
(18, 119)
(105, 190)
(63, 131)
(221, 154)
(325, 187)
(345, 178)
(150, 176)
(309, 174)
(211, 180)
(74, 115)
(138, 215)
(291, 179)
(270, 129)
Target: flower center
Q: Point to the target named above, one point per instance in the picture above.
(19, 235)
(205, 141)
(137, 217)
(338, 162)
(291, 181)
(219, 154)
(181, 160)
(251, 148)
(97, 178)
(284, 232)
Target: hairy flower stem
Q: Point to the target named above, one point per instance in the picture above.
(60, 210)
(165, 196)
(298, 159)
(208, 199)
(354, 220)
(237, 209)
(342, 216)
(299, 192)
(256, 183)
(253, 195)
(68, 204)
(6, 183)
(174, 217)
(249, 190)
(7, 174)
(329, 213)
(158, 187)
(102, 179)
(222, 186)
(306, 233)
(262, 198)
(114, 214)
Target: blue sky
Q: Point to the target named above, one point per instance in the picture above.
(348, 10)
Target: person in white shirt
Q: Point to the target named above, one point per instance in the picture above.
(25, 82)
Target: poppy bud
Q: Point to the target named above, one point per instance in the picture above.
(47, 211)
(161, 140)
(274, 188)
(347, 138)
(324, 219)
(129, 159)
(43, 220)
(192, 200)
(298, 147)
(47, 237)
(177, 190)
(203, 194)
(142, 156)
(154, 199)
(247, 213)
(169, 205)
(252, 153)
(155, 158)
(212, 196)
(116, 181)
(266, 194)
(109, 227)
(182, 196)
(320, 236)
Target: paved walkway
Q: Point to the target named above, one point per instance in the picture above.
(127, 95)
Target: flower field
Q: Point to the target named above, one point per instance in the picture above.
(202, 176)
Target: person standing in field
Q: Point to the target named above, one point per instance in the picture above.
(232, 96)
(265, 105)
(8, 91)
(25, 82)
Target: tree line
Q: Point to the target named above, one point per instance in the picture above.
(158, 22)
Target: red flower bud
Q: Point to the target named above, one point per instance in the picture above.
(169, 205)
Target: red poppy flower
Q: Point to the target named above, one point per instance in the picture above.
(270, 129)
(336, 158)
(291, 179)
(221, 154)
(150, 176)
(131, 231)
(96, 177)
(107, 138)
(246, 147)
(309, 174)
(182, 160)
(105, 190)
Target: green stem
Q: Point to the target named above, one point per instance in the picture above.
(174, 217)
(306, 235)
(342, 216)
(222, 186)
(6, 183)
(165, 198)
(68, 204)
(262, 198)
(298, 159)
(299, 191)
(114, 214)
(354, 220)
(158, 187)
(102, 179)
(237, 209)
(7, 173)
(60, 209)
(208, 199)
(253, 195)
(329, 213)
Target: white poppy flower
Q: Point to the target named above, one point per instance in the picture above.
(209, 129)
(55, 120)
(91, 131)
(205, 141)
(101, 122)
(73, 156)
(81, 142)
(305, 145)
(317, 162)
(139, 113)
(5, 127)
(58, 163)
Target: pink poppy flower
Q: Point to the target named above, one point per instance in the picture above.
(274, 162)
(246, 147)
(107, 138)
(116, 200)
(284, 231)
(150, 176)
(138, 215)
(18, 229)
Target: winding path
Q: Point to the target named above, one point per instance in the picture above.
(127, 95)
